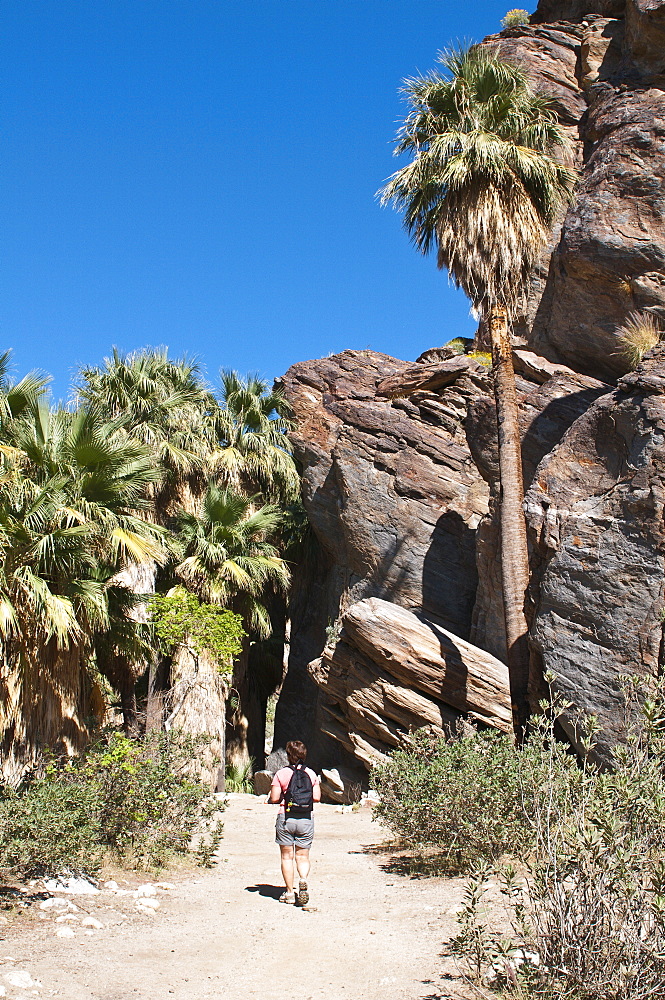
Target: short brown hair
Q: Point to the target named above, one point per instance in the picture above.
(296, 752)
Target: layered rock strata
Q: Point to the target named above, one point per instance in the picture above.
(392, 671)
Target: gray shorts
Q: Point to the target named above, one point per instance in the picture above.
(290, 832)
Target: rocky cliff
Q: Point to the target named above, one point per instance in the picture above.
(603, 61)
(399, 493)
(399, 460)
(394, 499)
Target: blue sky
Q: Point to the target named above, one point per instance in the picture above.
(201, 174)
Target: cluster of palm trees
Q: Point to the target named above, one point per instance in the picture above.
(148, 480)
(485, 182)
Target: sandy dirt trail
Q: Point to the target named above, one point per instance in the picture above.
(370, 934)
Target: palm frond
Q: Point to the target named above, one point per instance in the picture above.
(486, 177)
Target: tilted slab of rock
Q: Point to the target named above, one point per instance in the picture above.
(596, 512)
(427, 376)
(411, 673)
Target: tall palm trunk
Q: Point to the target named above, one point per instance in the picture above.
(47, 701)
(196, 705)
(514, 552)
(246, 717)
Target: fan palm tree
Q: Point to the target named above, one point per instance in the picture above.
(229, 559)
(165, 405)
(254, 451)
(17, 397)
(72, 487)
(483, 187)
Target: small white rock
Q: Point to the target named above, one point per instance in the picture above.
(54, 903)
(145, 891)
(111, 884)
(64, 932)
(70, 884)
(21, 979)
(66, 918)
(3, 991)
(92, 922)
(148, 904)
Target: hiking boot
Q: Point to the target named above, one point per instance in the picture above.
(288, 897)
(303, 894)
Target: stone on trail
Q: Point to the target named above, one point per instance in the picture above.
(148, 904)
(111, 884)
(333, 778)
(145, 890)
(64, 932)
(78, 886)
(262, 782)
(93, 922)
(22, 980)
(57, 903)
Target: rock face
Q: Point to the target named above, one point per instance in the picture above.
(546, 410)
(393, 671)
(596, 511)
(393, 497)
(603, 64)
(611, 256)
(398, 500)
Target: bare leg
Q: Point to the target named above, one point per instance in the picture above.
(287, 866)
(302, 861)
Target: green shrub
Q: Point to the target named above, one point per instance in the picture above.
(239, 777)
(464, 796)
(459, 345)
(130, 798)
(588, 908)
(50, 825)
(515, 17)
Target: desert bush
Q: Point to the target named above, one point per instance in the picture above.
(459, 345)
(131, 798)
(464, 796)
(515, 17)
(482, 357)
(587, 911)
(638, 335)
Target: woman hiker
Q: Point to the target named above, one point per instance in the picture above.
(296, 788)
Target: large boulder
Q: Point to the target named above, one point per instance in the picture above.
(398, 500)
(393, 671)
